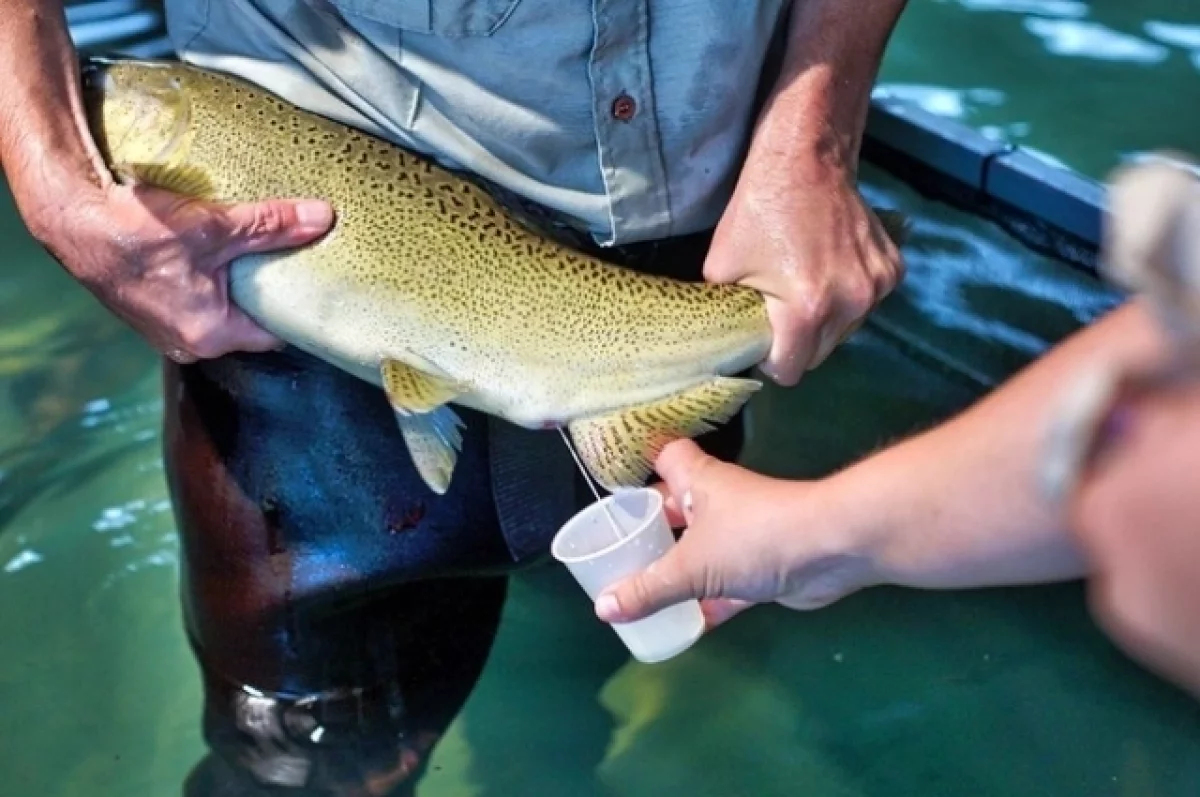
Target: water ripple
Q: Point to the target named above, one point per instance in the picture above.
(941, 100)
(1174, 34)
(1068, 9)
(22, 560)
(1093, 40)
(129, 513)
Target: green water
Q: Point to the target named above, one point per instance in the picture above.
(1003, 692)
(1086, 83)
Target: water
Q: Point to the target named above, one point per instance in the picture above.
(996, 692)
(1086, 83)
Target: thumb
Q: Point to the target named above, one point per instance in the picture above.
(271, 225)
(680, 464)
(662, 584)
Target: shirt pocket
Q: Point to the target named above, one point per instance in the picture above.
(448, 18)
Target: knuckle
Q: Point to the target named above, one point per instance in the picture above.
(812, 310)
(638, 597)
(859, 294)
(199, 338)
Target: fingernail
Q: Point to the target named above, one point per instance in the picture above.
(313, 215)
(607, 607)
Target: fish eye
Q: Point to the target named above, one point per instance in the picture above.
(176, 82)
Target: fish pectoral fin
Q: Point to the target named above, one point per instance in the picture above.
(619, 447)
(415, 392)
(430, 427)
(186, 180)
(433, 440)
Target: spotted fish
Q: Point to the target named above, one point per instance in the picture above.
(427, 288)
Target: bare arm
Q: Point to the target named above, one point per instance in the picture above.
(796, 228)
(955, 507)
(817, 114)
(45, 148)
(156, 259)
(959, 506)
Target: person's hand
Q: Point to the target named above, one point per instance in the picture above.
(159, 261)
(819, 255)
(749, 539)
(1136, 515)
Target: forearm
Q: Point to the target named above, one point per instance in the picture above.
(960, 506)
(44, 139)
(817, 112)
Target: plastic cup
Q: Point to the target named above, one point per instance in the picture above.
(598, 556)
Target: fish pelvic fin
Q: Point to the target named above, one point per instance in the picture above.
(619, 447)
(433, 440)
(415, 392)
(431, 429)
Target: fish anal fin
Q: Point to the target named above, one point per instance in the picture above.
(619, 447)
(411, 391)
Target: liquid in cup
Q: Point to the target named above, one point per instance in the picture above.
(598, 555)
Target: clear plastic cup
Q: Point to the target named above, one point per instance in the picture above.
(598, 556)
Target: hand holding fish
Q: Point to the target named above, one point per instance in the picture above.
(159, 260)
(820, 256)
(796, 228)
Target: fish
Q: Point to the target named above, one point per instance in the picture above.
(428, 288)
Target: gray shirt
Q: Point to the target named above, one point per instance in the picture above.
(628, 116)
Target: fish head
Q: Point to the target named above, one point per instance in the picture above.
(139, 112)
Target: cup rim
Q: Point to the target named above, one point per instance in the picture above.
(657, 502)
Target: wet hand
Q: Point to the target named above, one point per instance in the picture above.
(819, 255)
(160, 261)
(749, 539)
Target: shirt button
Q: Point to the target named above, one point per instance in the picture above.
(623, 108)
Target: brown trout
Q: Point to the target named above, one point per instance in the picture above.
(427, 288)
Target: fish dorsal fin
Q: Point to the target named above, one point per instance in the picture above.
(186, 180)
(619, 447)
(431, 429)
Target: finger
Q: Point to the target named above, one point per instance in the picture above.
(662, 584)
(680, 464)
(243, 334)
(670, 506)
(792, 346)
(720, 610)
(268, 226)
(833, 335)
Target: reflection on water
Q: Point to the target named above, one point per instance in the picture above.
(992, 693)
(1086, 84)
(1092, 40)
(1050, 8)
